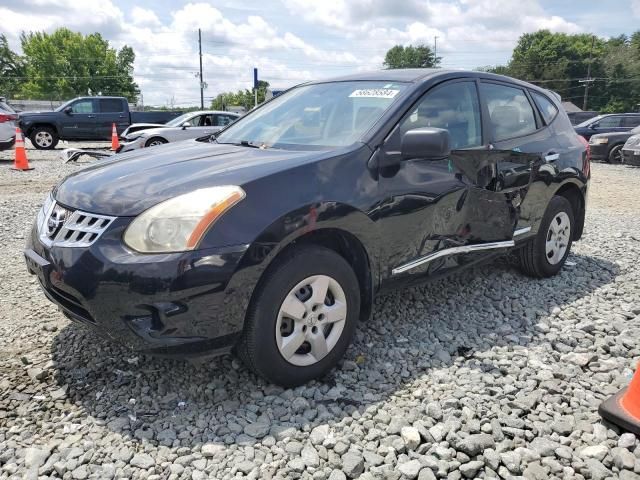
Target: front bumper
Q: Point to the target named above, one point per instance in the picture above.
(599, 151)
(631, 157)
(7, 144)
(189, 303)
(130, 146)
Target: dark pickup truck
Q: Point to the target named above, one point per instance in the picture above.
(84, 118)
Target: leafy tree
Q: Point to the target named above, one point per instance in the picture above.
(420, 56)
(558, 62)
(244, 98)
(65, 64)
(12, 69)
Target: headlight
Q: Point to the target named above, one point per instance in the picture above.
(599, 141)
(178, 224)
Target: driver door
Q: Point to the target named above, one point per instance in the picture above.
(81, 122)
(441, 214)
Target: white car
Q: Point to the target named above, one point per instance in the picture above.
(185, 127)
(8, 118)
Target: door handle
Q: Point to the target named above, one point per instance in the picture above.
(91, 116)
(552, 157)
(121, 116)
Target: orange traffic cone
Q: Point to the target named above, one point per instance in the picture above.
(115, 143)
(20, 161)
(623, 409)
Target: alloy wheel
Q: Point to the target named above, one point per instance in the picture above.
(558, 237)
(311, 320)
(43, 139)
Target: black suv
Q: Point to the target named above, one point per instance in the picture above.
(273, 238)
(617, 122)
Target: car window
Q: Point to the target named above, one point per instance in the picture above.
(453, 107)
(547, 109)
(206, 120)
(110, 105)
(82, 106)
(510, 111)
(609, 122)
(631, 121)
(222, 120)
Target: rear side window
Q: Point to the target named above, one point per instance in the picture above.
(631, 121)
(82, 106)
(453, 107)
(609, 122)
(510, 111)
(110, 105)
(546, 107)
(222, 120)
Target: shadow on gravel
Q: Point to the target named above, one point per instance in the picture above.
(413, 333)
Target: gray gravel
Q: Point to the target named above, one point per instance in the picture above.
(491, 375)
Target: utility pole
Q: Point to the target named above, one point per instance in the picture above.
(201, 79)
(588, 80)
(435, 49)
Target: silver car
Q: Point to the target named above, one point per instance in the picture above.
(8, 117)
(185, 127)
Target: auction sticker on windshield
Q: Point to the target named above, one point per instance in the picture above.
(375, 93)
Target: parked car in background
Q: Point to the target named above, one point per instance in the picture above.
(608, 146)
(84, 118)
(616, 122)
(273, 238)
(187, 126)
(631, 151)
(577, 118)
(8, 118)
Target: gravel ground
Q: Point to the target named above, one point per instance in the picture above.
(491, 375)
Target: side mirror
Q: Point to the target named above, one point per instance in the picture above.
(593, 126)
(426, 143)
(185, 125)
(68, 110)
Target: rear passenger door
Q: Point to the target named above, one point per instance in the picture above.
(111, 110)
(631, 122)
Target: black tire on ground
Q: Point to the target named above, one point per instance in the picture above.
(44, 138)
(258, 347)
(532, 256)
(615, 154)
(155, 141)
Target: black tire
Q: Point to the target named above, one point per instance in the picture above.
(532, 256)
(615, 154)
(38, 136)
(154, 141)
(258, 347)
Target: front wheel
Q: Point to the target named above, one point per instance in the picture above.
(152, 142)
(545, 255)
(615, 154)
(302, 316)
(44, 138)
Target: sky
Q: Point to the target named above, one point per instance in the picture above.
(292, 41)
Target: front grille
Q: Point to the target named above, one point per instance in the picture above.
(60, 227)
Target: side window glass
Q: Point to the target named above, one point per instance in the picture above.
(510, 112)
(609, 122)
(110, 105)
(631, 121)
(546, 107)
(83, 106)
(206, 120)
(453, 107)
(222, 120)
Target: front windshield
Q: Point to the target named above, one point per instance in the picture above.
(321, 115)
(586, 123)
(178, 121)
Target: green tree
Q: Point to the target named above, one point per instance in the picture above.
(65, 64)
(558, 62)
(244, 98)
(12, 70)
(420, 56)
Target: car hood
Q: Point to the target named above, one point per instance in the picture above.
(133, 182)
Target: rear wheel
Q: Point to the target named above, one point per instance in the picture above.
(615, 154)
(302, 317)
(152, 142)
(545, 255)
(44, 138)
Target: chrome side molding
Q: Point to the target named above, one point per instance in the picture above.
(445, 252)
(521, 231)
